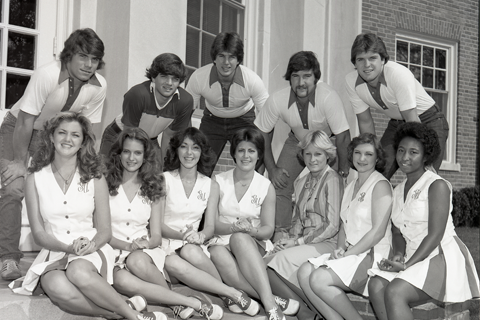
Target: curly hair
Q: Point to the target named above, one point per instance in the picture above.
(367, 138)
(167, 64)
(88, 162)
(207, 160)
(149, 173)
(425, 135)
(302, 61)
(365, 42)
(83, 40)
(252, 135)
(227, 42)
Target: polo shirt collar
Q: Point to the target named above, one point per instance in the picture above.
(237, 77)
(293, 98)
(152, 89)
(381, 80)
(64, 75)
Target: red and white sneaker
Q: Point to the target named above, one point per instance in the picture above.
(273, 315)
(247, 304)
(289, 307)
(209, 310)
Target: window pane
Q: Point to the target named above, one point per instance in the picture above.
(427, 79)
(415, 56)
(428, 56)
(207, 41)
(417, 71)
(229, 19)
(23, 13)
(192, 50)
(440, 80)
(440, 58)
(15, 88)
(193, 13)
(21, 50)
(402, 51)
(211, 16)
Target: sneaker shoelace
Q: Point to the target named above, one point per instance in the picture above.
(273, 314)
(281, 302)
(177, 310)
(10, 266)
(242, 302)
(205, 310)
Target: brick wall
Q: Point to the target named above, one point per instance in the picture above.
(456, 20)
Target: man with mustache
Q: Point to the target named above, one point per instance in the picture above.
(233, 93)
(305, 106)
(68, 84)
(393, 90)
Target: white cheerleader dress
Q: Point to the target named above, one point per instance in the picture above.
(129, 222)
(356, 215)
(66, 217)
(448, 274)
(181, 210)
(250, 206)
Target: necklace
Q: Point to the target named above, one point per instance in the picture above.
(189, 182)
(65, 181)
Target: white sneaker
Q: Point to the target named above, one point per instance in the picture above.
(157, 315)
(137, 302)
(273, 315)
(183, 312)
(289, 307)
(209, 310)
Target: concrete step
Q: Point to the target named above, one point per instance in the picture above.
(19, 307)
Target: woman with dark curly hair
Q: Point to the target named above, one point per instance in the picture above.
(136, 190)
(364, 237)
(429, 261)
(67, 205)
(190, 194)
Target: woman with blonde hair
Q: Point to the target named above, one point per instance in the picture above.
(316, 220)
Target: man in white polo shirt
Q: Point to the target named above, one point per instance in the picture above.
(70, 84)
(233, 93)
(305, 106)
(393, 90)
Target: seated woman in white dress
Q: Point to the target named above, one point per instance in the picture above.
(316, 220)
(69, 214)
(191, 195)
(136, 188)
(429, 261)
(245, 223)
(363, 240)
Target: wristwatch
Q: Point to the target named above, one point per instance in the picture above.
(342, 173)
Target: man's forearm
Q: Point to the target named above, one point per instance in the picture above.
(343, 140)
(268, 156)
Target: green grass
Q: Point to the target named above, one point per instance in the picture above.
(471, 238)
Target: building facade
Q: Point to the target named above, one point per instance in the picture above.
(436, 39)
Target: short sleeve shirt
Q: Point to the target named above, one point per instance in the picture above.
(327, 114)
(399, 91)
(140, 109)
(246, 91)
(48, 91)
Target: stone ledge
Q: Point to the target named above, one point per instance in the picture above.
(431, 310)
